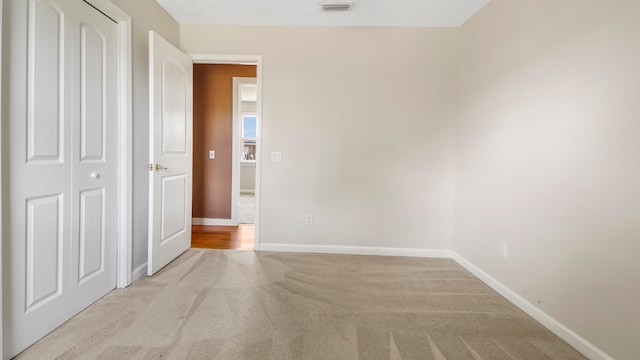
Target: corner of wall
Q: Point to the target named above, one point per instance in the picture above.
(139, 272)
(579, 343)
(1, 190)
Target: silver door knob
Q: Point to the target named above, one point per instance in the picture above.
(94, 175)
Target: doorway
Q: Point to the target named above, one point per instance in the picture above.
(226, 148)
(245, 117)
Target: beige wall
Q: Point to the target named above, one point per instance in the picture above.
(373, 168)
(146, 15)
(545, 96)
(548, 159)
(247, 177)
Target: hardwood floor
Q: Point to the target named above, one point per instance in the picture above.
(222, 237)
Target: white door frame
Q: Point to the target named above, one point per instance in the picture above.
(238, 142)
(1, 191)
(244, 60)
(125, 136)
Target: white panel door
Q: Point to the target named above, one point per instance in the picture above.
(94, 134)
(170, 152)
(62, 81)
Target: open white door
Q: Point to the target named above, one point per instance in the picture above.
(170, 150)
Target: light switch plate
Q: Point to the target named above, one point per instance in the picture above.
(276, 157)
(212, 154)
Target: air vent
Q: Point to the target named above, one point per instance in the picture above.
(336, 6)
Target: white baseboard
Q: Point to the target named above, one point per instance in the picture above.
(214, 222)
(139, 272)
(580, 344)
(583, 346)
(356, 250)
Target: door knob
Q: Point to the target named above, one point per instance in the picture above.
(94, 175)
(160, 167)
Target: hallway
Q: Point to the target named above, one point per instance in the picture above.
(223, 237)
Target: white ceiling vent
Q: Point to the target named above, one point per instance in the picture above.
(336, 6)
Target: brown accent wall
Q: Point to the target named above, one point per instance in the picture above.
(212, 130)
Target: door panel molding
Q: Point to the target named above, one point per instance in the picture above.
(174, 97)
(92, 143)
(44, 247)
(92, 217)
(172, 218)
(45, 99)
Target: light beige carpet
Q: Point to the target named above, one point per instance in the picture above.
(246, 208)
(214, 304)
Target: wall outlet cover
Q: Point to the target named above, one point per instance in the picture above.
(503, 249)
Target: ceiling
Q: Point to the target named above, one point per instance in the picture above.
(309, 12)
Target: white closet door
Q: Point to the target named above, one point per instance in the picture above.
(62, 217)
(94, 159)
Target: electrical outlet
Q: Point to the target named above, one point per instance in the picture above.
(503, 249)
(212, 154)
(309, 219)
(276, 157)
